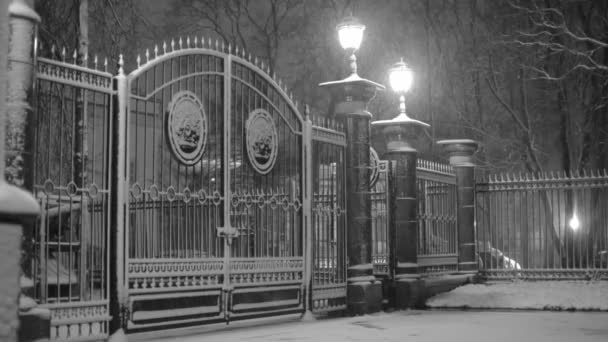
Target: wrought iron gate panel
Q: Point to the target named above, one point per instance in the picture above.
(437, 226)
(215, 218)
(175, 161)
(266, 217)
(328, 219)
(380, 208)
(70, 176)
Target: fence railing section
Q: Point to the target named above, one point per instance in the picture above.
(437, 228)
(328, 217)
(380, 207)
(549, 226)
(70, 173)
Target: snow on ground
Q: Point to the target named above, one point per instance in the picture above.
(563, 295)
(423, 326)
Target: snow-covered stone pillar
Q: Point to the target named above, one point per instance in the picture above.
(461, 153)
(351, 97)
(403, 220)
(22, 28)
(16, 207)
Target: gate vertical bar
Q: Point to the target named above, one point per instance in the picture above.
(307, 208)
(119, 184)
(226, 231)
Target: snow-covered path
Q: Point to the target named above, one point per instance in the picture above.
(428, 326)
(563, 295)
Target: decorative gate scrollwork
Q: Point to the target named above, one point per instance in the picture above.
(214, 219)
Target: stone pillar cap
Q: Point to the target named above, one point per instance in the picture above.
(464, 146)
(16, 204)
(18, 8)
(461, 151)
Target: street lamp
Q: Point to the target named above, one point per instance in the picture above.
(350, 34)
(400, 78)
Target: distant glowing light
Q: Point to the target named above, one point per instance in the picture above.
(401, 77)
(574, 222)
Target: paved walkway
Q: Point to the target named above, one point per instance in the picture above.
(449, 326)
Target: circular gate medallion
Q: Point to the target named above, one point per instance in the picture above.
(187, 127)
(262, 141)
(374, 162)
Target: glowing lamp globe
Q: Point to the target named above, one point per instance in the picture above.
(574, 222)
(401, 77)
(350, 33)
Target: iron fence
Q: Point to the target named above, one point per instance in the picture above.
(549, 226)
(70, 176)
(380, 210)
(437, 226)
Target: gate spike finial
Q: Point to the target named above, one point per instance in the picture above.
(95, 62)
(209, 42)
(121, 64)
(63, 54)
(224, 46)
(217, 44)
(147, 55)
(138, 60)
(75, 56)
(249, 57)
(172, 44)
(180, 43)
(85, 59)
(53, 50)
(105, 64)
(188, 41)
(155, 50)
(164, 47)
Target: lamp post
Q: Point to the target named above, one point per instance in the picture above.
(350, 97)
(403, 223)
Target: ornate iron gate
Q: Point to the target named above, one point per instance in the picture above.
(214, 225)
(328, 217)
(71, 133)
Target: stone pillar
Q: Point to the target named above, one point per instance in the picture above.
(22, 24)
(16, 208)
(403, 221)
(364, 291)
(461, 158)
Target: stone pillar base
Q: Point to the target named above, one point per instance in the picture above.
(409, 293)
(364, 298)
